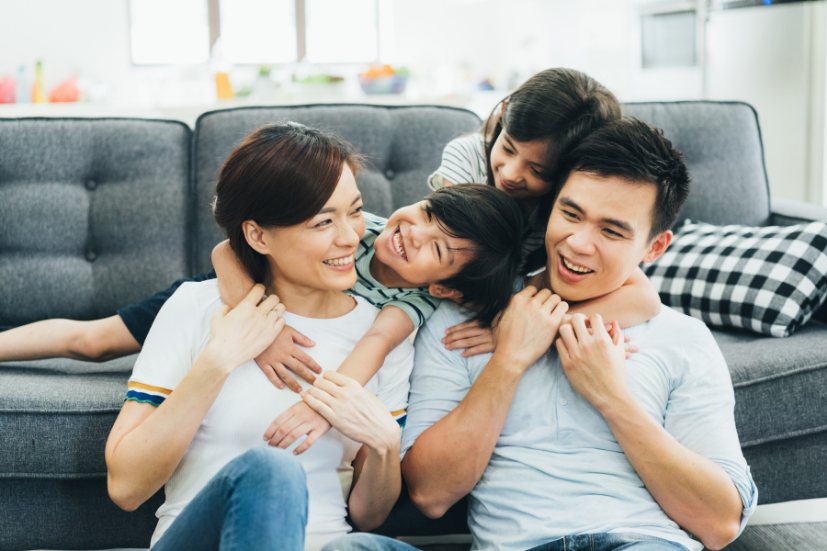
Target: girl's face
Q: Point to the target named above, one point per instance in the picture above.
(518, 166)
(319, 253)
(416, 247)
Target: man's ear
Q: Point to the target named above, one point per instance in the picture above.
(255, 237)
(441, 291)
(658, 246)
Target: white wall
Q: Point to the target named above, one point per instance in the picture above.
(768, 57)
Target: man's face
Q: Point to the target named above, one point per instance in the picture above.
(598, 233)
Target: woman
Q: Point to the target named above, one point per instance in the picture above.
(197, 405)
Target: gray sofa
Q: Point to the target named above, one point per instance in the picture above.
(99, 213)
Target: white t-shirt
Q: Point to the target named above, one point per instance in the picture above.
(248, 403)
(463, 162)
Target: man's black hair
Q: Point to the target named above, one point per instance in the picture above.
(635, 152)
(493, 222)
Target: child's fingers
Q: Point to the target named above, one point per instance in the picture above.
(288, 379)
(297, 367)
(479, 349)
(468, 343)
(302, 340)
(463, 334)
(314, 435)
(307, 361)
(271, 375)
(461, 326)
(282, 426)
(627, 338)
(290, 437)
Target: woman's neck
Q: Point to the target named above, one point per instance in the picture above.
(311, 302)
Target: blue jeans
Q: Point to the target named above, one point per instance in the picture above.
(585, 542)
(258, 501)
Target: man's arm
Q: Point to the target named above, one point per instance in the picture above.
(449, 458)
(692, 489)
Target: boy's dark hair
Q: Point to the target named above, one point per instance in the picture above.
(281, 175)
(494, 223)
(633, 151)
(557, 106)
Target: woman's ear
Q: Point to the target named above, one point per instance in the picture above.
(255, 237)
(441, 291)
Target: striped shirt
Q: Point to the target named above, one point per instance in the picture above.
(463, 162)
(417, 302)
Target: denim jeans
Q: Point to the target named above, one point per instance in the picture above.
(585, 542)
(257, 501)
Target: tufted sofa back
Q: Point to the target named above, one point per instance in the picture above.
(402, 146)
(93, 215)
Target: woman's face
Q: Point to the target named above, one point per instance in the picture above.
(415, 246)
(518, 166)
(319, 253)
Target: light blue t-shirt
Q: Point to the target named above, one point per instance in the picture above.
(557, 469)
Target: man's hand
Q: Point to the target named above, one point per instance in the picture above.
(594, 360)
(284, 355)
(529, 325)
(470, 336)
(297, 421)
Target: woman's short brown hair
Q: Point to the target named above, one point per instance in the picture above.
(281, 175)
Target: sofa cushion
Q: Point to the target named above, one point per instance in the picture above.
(769, 279)
(403, 145)
(93, 214)
(780, 384)
(721, 142)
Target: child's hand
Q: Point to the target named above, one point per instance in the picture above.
(283, 354)
(470, 336)
(298, 420)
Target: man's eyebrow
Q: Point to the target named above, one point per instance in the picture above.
(333, 209)
(625, 226)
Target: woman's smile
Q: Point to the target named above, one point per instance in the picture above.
(343, 263)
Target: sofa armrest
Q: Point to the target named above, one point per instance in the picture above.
(786, 212)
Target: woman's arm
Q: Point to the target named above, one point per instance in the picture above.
(361, 416)
(146, 445)
(635, 302)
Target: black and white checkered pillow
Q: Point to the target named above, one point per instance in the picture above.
(769, 280)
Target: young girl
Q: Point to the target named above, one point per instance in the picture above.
(518, 152)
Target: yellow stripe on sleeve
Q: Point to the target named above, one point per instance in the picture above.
(134, 384)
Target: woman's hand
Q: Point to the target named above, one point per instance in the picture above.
(239, 335)
(470, 336)
(283, 355)
(297, 421)
(353, 411)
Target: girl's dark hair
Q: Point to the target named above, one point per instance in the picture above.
(493, 222)
(557, 106)
(281, 175)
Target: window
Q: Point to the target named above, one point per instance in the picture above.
(163, 32)
(668, 39)
(254, 31)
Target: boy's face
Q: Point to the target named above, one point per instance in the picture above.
(598, 233)
(416, 247)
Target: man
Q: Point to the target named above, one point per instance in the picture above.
(573, 446)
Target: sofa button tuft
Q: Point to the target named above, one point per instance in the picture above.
(389, 174)
(91, 185)
(91, 255)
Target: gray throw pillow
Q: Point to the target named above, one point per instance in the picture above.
(766, 279)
